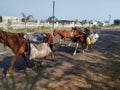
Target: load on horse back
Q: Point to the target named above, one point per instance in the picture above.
(19, 45)
(91, 38)
(40, 41)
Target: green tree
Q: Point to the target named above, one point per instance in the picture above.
(116, 22)
(26, 18)
(76, 21)
(52, 19)
(9, 23)
(100, 24)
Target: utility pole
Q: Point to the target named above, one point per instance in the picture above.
(109, 19)
(53, 14)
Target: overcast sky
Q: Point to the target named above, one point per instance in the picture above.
(64, 9)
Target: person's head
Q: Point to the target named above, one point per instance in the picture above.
(87, 30)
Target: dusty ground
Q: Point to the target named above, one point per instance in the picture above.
(98, 69)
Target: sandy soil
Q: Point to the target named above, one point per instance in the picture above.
(98, 69)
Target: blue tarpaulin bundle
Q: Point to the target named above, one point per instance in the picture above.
(36, 37)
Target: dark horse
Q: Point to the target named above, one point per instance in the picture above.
(19, 46)
(80, 37)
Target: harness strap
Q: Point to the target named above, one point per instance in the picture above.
(28, 49)
(79, 35)
(5, 34)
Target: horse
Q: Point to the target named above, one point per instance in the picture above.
(74, 33)
(80, 37)
(64, 33)
(19, 45)
(48, 36)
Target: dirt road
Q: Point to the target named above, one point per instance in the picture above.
(98, 69)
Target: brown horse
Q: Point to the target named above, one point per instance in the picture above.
(64, 33)
(18, 45)
(48, 36)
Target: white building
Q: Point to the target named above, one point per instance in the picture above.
(6, 19)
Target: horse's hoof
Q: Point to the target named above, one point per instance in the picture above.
(43, 63)
(52, 59)
(28, 66)
(8, 75)
(82, 51)
(73, 54)
(28, 69)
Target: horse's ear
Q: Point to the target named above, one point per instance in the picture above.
(75, 28)
(21, 34)
(79, 29)
(72, 28)
(54, 30)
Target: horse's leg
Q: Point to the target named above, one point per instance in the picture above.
(25, 59)
(91, 46)
(43, 63)
(60, 40)
(76, 48)
(52, 55)
(5, 47)
(70, 43)
(82, 47)
(51, 46)
(65, 40)
(9, 71)
(86, 48)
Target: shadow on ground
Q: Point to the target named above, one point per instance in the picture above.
(95, 70)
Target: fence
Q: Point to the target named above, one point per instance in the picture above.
(33, 24)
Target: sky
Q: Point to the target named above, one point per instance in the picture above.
(100, 10)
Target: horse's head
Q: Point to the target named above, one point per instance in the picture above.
(77, 31)
(55, 32)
